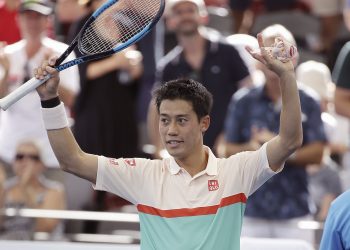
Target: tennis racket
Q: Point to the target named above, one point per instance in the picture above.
(114, 26)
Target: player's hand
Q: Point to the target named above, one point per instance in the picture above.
(266, 58)
(49, 89)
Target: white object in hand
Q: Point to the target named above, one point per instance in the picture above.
(281, 50)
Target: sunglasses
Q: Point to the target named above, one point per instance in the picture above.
(33, 157)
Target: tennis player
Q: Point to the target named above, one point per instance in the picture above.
(191, 200)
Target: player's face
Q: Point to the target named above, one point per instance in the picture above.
(181, 132)
(185, 18)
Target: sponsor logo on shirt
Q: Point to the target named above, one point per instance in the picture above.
(213, 185)
(113, 161)
(130, 161)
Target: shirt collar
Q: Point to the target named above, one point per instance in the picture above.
(211, 168)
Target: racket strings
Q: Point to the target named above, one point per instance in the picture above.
(117, 25)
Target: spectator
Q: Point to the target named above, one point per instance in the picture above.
(201, 55)
(325, 184)
(252, 119)
(317, 76)
(30, 189)
(329, 13)
(244, 11)
(337, 227)
(23, 119)
(66, 13)
(9, 30)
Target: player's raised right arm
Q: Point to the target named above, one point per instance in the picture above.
(71, 158)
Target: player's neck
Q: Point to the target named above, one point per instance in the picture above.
(194, 163)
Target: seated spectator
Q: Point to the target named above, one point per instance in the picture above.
(30, 189)
(317, 76)
(325, 184)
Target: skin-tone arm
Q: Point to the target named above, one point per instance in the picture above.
(54, 199)
(246, 82)
(67, 96)
(71, 158)
(342, 101)
(308, 154)
(128, 59)
(290, 135)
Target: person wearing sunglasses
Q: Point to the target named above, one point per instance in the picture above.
(30, 189)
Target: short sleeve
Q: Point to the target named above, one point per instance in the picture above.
(123, 177)
(255, 169)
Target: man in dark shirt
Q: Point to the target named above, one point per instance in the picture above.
(202, 55)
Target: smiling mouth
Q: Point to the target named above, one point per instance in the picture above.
(173, 142)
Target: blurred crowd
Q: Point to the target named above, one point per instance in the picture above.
(112, 113)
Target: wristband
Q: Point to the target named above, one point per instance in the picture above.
(51, 103)
(55, 118)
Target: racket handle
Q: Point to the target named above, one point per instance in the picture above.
(20, 92)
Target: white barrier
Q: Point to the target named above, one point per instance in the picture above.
(37, 245)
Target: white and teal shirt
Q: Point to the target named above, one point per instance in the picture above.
(178, 211)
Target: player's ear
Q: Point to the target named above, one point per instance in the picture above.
(204, 123)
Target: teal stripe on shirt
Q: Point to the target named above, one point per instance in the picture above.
(206, 232)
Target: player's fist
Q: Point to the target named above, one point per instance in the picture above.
(49, 89)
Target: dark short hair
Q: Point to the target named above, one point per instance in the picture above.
(188, 90)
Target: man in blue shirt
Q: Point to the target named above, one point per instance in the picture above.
(253, 117)
(336, 234)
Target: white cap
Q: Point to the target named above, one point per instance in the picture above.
(317, 76)
(169, 5)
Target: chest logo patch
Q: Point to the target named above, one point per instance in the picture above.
(213, 185)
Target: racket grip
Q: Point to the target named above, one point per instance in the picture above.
(21, 91)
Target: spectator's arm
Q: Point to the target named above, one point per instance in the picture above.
(342, 101)
(308, 154)
(128, 59)
(54, 199)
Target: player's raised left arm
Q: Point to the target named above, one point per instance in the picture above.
(290, 134)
